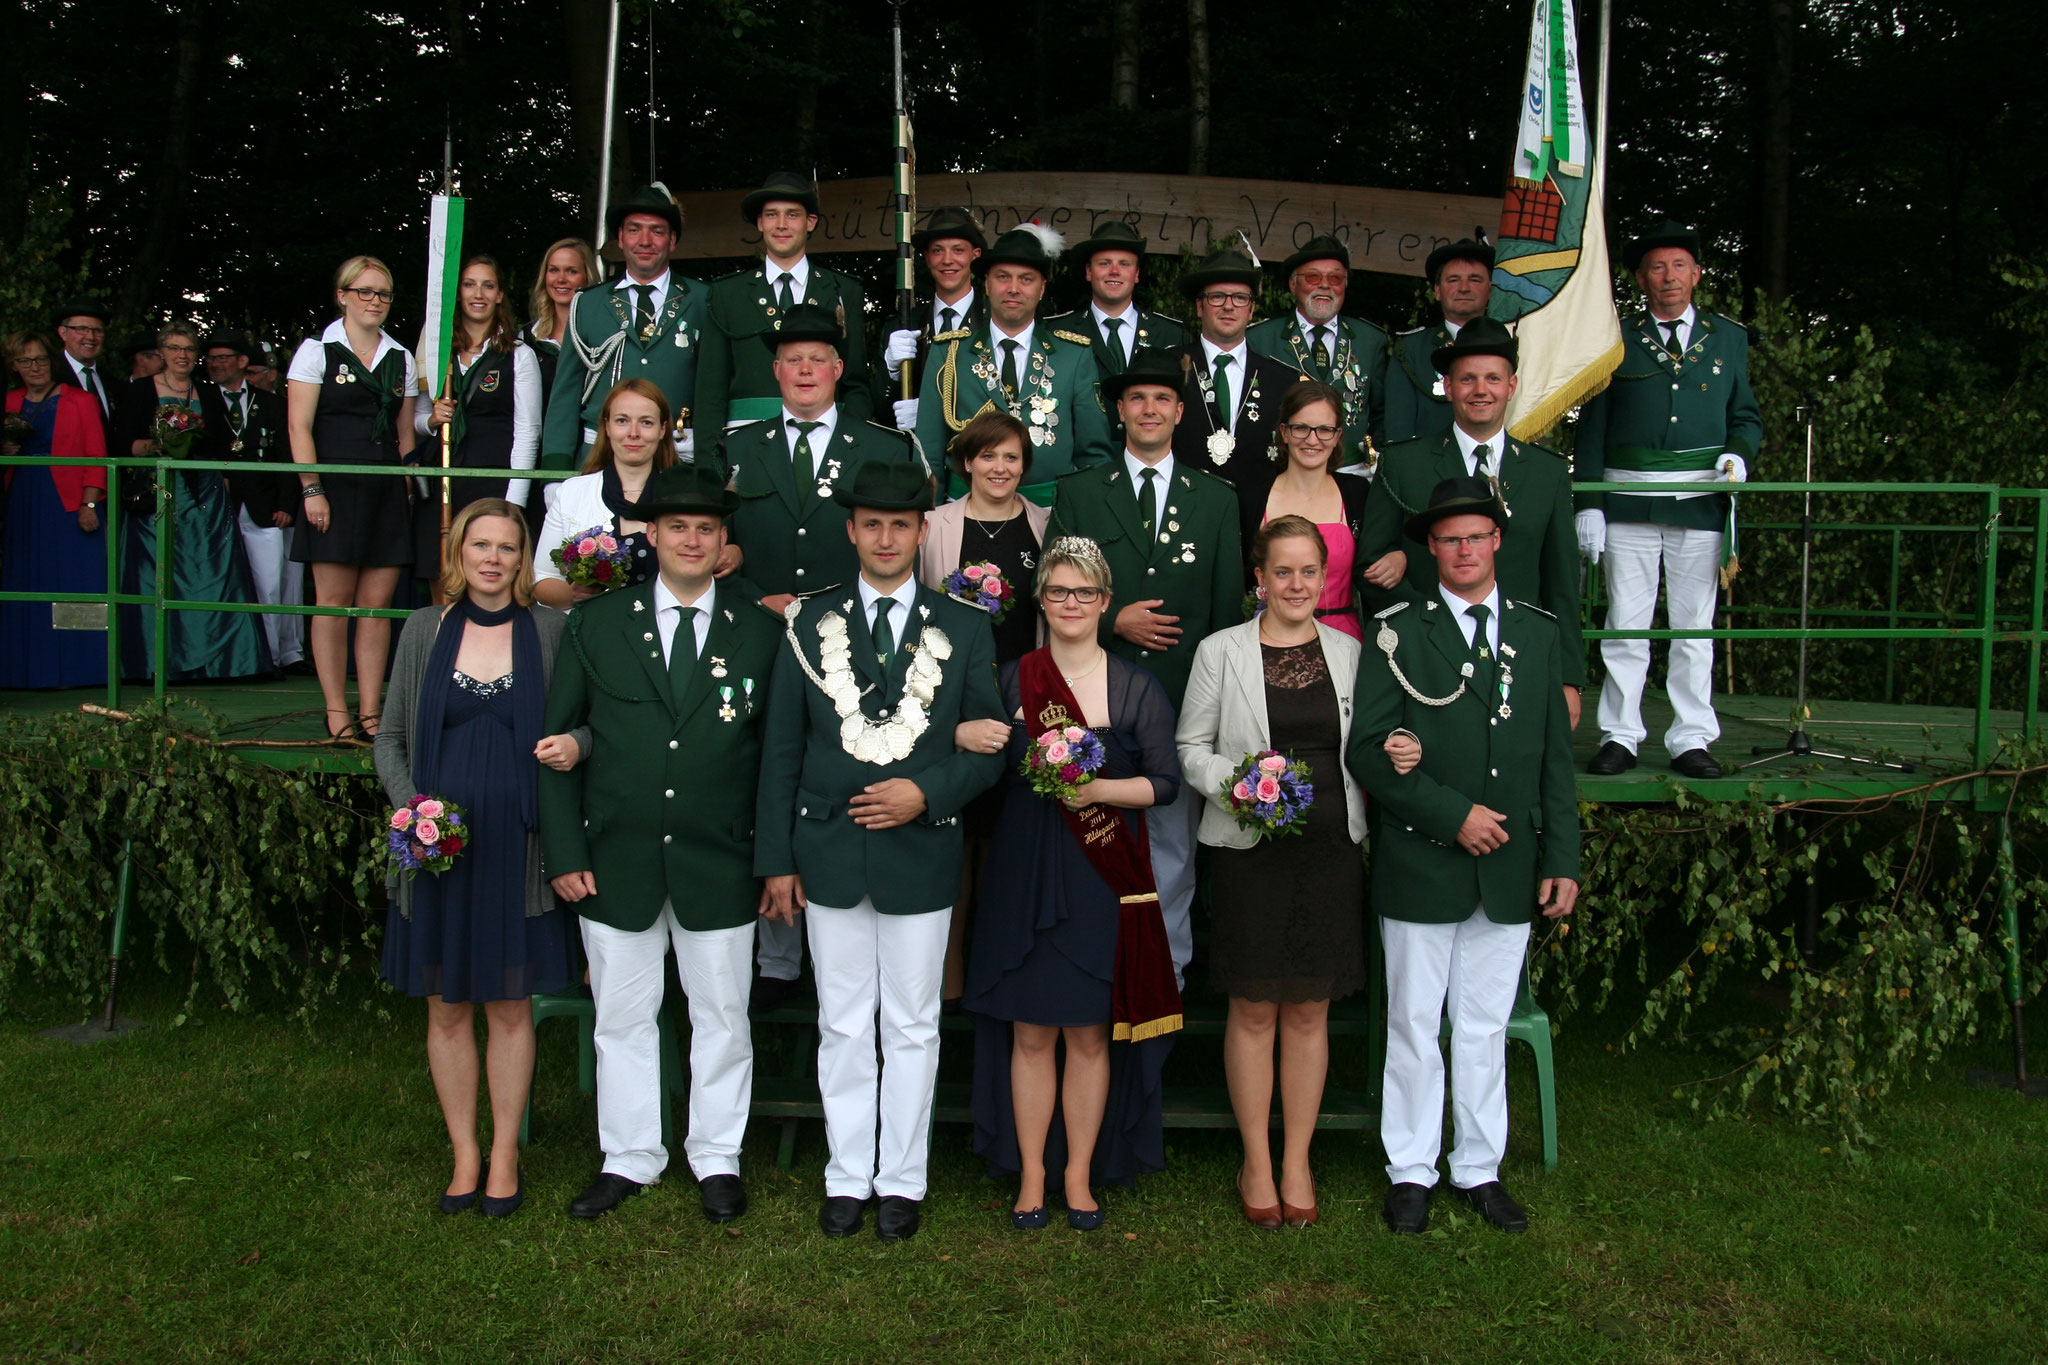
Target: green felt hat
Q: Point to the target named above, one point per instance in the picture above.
(1456, 498)
(1027, 244)
(1465, 250)
(80, 308)
(1113, 234)
(652, 199)
(1228, 266)
(684, 489)
(1665, 233)
(887, 487)
(783, 186)
(807, 322)
(1149, 365)
(1323, 248)
(1481, 336)
(949, 221)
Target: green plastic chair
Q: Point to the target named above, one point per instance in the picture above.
(583, 1010)
(1527, 1023)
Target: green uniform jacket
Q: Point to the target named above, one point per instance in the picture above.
(1539, 551)
(794, 539)
(1154, 329)
(669, 358)
(736, 365)
(1056, 397)
(663, 808)
(1416, 405)
(1520, 765)
(1658, 403)
(887, 387)
(1358, 370)
(808, 778)
(1194, 564)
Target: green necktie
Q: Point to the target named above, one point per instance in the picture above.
(1480, 454)
(1223, 391)
(234, 397)
(92, 384)
(782, 296)
(1480, 650)
(682, 655)
(643, 312)
(949, 318)
(1116, 342)
(804, 464)
(1148, 500)
(1322, 352)
(885, 640)
(1671, 345)
(1010, 369)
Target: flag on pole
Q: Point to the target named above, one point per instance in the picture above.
(1551, 277)
(444, 275)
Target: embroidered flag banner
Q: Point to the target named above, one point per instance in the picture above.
(444, 276)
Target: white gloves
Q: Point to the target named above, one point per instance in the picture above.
(906, 411)
(1733, 469)
(686, 446)
(1592, 528)
(900, 347)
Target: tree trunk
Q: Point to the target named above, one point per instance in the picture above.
(1125, 39)
(1198, 87)
(166, 193)
(1775, 198)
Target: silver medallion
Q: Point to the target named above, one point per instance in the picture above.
(1221, 444)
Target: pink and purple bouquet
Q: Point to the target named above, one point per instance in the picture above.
(592, 559)
(176, 429)
(1270, 794)
(1061, 762)
(425, 834)
(982, 585)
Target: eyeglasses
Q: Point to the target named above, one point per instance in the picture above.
(82, 331)
(1302, 431)
(178, 350)
(1464, 542)
(31, 360)
(372, 295)
(1087, 597)
(1314, 278)
(1221, 300)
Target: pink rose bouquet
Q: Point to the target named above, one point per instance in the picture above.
(982, 585)
(425, 834)
(595, 558)
(1270, 794)
(1061, 762)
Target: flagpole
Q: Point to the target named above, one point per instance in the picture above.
(1600, 137)
(905, 206)
(604, 152)
(448, 381)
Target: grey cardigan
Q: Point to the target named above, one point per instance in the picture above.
(393, 748)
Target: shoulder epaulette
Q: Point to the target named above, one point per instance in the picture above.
(957, 334)
(1538, 610)
(884, 426)
(1074, 337)
(1412, 331)
(1398, 606)
(1056, 318)
(1205, 473)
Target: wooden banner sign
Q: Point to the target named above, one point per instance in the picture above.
(1390, 231)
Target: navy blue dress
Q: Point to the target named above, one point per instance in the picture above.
(44, 551)
(469, 939)
(1045, 932)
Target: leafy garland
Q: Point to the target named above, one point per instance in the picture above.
(262, 874)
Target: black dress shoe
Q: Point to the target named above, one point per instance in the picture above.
(840, 1215)
(896, 1220)
(1408, 1208)
(724, 1197)
(771, 993)
(1697, 764)
(1493, 1203)
(603, 1195)
(1614, 757)
(493, 1206)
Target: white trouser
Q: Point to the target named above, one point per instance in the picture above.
(869, 964)
(277, 581)
(1691, 564)
(1469, 970)
(780, 950)
(628, 974)
(1171, 830)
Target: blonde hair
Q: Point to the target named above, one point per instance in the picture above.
(539, 303)
(1078, 553)
(1288, 527)
(601, 449)
(352, 270)
(454, 583)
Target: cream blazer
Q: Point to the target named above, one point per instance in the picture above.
(1223, 718)
(944, 527)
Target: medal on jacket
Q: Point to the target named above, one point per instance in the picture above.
(725, 712)
(1221, 444)
(718, 669)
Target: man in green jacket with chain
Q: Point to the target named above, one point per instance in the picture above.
(1461, 276)
(859, 830)
(1679, 419)
(1348, 354)
(651, 840)
(735, 381)
(1469, 845)
(1111, 259)
(646, 325)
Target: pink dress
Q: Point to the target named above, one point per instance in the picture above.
(1334, 608)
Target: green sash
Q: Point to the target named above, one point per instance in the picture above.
(1645, 460)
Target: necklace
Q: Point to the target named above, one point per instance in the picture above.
(982, 525)
(1070, 680)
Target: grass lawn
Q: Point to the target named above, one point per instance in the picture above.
(241, 1191)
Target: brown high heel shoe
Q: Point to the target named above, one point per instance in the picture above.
(1298, 1217)
(1266, 1218)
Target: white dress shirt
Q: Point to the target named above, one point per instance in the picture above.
(668, 611)
(961, 307)
(1461, 613)
(997, 336)
(1240, 361)
(828, 422)
(99, 381)
(1453, 328)
(799, 278)
(1333, 332)
(309, 362)
(1137, 468)
(1685, 321)
(1127, 325)
(1467, 443)
(627, 285)
(905, 597)
(528, 405)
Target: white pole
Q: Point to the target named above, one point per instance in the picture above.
(1606, 33)
(604, 156)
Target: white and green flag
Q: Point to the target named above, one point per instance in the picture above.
(1551, 278)
(444, 275)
